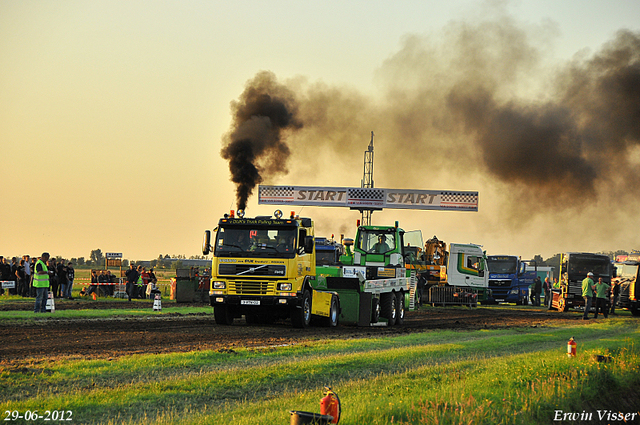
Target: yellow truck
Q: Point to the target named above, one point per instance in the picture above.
(264, 268)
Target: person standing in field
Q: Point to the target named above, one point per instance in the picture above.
(71, 275)
(21, 279)
(587, 294)
(5, 272)
(62, 279)
(110, 279)
(615, 290)
(132, 279)
(140, 283)
(41, 283)
(547, 290)
(152, 285)
(602, 296)
(537, 289)
(53, 278)
(14, 276)
(27, 275)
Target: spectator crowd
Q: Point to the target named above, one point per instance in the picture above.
(21, 278)
(21, 272)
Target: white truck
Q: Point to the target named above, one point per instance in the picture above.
(458, 275)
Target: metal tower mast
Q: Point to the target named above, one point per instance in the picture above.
(367, 180)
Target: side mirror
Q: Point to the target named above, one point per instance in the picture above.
(308, 244)
(206, 243)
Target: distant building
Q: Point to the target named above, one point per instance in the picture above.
(186, 263)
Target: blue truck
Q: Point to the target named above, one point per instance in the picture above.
(508, 279)
(328, 251)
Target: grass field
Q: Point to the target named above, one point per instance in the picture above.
(511, 376)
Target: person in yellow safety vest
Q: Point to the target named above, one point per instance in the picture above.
(140, 284)
(556, 284)
(41, 283)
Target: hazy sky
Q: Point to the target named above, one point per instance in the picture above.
(113, 115)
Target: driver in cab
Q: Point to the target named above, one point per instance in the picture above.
(381, 246)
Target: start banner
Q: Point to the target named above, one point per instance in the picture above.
(374, 198)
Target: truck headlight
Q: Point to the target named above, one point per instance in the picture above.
(219, 285)
(284, 286)
(514, 292)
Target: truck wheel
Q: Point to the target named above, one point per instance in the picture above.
(375, 310)
(634, 309)
(399, 308)
(223, 315)
(563, 306)
(332, 320)
(301, 317)
(388, 308)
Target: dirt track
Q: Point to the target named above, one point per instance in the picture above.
(51, 338)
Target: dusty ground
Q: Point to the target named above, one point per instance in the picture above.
(50, 337)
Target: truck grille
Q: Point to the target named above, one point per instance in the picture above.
(250, 270)
(499, 293)
(251, 288)
(575, 288)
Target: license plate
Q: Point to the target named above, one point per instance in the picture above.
(250, 302)
(499, 299)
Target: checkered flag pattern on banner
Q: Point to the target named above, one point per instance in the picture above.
(366, 194)
(459, 198)
(276, 192)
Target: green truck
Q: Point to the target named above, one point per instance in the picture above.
(372, 280)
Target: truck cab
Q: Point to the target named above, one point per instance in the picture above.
(461, 280)
(328, 251)
(264, 268)
(509, 279)
(628, 277)
(574, 267)
(469, 266)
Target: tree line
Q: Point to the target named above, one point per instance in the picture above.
(97, 259)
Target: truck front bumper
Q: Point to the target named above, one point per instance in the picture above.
(257, 302)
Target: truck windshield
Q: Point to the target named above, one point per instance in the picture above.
(245, 241)
(627, 271)
(325, 258)
(581, 265)
(502, 264)
(376, 241)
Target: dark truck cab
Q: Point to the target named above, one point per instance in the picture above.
(573, 270)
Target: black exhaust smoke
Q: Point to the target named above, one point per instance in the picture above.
(255, 146)
(562, 148)
(458, 103)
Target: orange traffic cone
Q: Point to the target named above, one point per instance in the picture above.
(93, 295)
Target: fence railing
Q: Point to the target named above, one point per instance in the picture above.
(452, 295)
